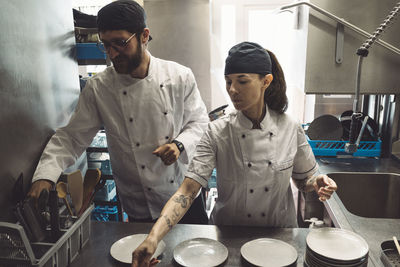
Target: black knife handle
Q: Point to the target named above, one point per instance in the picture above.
(54, 215)
(43, 199)
(33, 220)
(19, 214)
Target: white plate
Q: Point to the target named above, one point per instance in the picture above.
(200, 252)
(269, 252)
(122, 249)
(337, 244)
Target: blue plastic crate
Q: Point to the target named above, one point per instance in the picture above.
(336, 148)
(89, 51)
(105, 213)
(107, 193)
(103, 165)
(212, 183)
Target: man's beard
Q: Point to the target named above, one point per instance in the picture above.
(124, 64)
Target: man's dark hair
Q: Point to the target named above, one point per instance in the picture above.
(122, 15)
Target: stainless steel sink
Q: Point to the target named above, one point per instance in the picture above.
(369, 194)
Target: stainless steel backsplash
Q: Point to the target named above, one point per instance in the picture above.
(380, 73)
(39, 85)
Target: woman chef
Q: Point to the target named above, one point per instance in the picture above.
(256, 150)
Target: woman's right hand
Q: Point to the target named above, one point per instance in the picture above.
(142, 256)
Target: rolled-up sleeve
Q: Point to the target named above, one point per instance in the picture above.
(204, 160)
(304, 164)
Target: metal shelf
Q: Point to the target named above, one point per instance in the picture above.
(102, 148)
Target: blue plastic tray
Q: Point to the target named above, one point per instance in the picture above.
(335, 148)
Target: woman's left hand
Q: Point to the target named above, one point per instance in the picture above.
(324, 186)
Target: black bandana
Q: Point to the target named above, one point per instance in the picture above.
(247, 57)
(122, 15)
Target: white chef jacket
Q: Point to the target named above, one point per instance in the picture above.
(254, 167)
(138, 116)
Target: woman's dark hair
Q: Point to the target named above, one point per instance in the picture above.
(275, 95)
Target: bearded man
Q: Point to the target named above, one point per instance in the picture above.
(152, 113)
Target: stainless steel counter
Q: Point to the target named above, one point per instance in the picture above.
(373, 230)
(104, 234)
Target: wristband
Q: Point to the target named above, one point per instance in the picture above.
(179, 145)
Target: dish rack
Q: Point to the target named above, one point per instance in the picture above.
(337, 148)
(17, 251)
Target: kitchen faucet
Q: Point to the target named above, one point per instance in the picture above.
(352, 145)
(362, 52)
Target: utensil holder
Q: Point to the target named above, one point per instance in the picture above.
(18, 251)
(389, 254)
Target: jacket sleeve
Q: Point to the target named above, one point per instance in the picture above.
(69, 142)
(195, 119)
(204, 160)
(304, 164)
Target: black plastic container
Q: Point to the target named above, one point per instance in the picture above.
(389, 254)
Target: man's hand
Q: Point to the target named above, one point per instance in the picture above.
(141, 257)
(38, 186)
(169, 153)
(324, 186)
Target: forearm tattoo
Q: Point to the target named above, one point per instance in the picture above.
(301, 184)
(168, 221)
(305, 185)
(183, 200)
(183, 203)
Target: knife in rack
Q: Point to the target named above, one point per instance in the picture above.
(54, 215)
(33, 220)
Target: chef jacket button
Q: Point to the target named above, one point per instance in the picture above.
(172, 181)
(137, 144)
(161, 85)
(251, 190)
(165, 113)
(243, 135)
(124, 93)
(131, 119)
(266, 189)
(269, 162)
(148, 188)
(270, 134)
(167, 137)
(263, 214)
(249, 215)
(143, 167)
(249, 164)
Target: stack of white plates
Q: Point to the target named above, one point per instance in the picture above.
(333, 247)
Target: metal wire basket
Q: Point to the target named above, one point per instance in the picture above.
(17, 251)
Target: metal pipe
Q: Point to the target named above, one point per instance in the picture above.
(362, 130)
(352, 146)
(344, 22)
(362, 52)
(358, 79)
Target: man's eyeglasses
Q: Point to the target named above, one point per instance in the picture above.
(118, 45)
